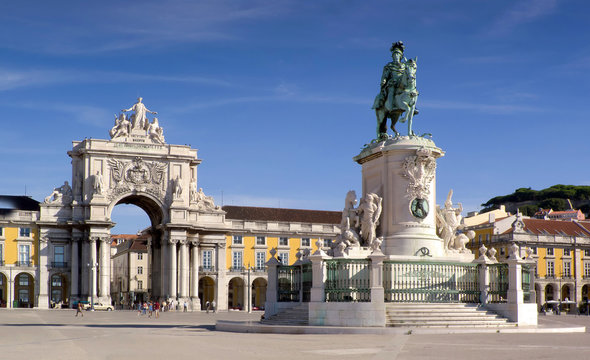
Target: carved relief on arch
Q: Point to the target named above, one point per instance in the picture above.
(138, 175)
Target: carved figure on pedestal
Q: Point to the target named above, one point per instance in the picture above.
(369, 213)
(177, 187)
(62, 195)
(205, 202)
(362, 220)
(449, 221)
(155, 131)
(97, 183)
(138, 119)
(349, 213)
(193, 192)
(397, 94)
(461, 240)
(122, 127)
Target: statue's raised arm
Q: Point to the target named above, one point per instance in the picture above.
(138, 119)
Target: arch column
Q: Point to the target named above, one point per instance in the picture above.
(183, 268)
(74, 270)
(172, 271)
(194, 278)
(93, 261)
(105, 273)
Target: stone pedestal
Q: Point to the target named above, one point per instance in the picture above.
(403, 172)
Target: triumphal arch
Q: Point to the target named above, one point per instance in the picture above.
(135, 166)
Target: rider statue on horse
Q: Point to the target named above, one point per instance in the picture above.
(398, 93)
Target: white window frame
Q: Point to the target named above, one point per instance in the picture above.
(261, 240)
(550, 252)
(567, 269)
(569, 252)
(326, 242)
(140, 270)
(260, 260)
(207, 259)
(139, 256)
(283, 241)
(1, 231)
(237, 259)
(305, 240)
(586, 269)
(139, 284)
(27, 231)
(550, 268)
(237, 240)
(27, 253)
(284, 257)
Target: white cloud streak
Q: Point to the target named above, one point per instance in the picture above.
(21, 78)
(520, 13)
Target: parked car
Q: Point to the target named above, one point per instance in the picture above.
(99, 306)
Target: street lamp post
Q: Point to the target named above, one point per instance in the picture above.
(249, 292)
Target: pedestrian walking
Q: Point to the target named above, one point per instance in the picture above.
(150, 309)
(208, 306)
(213, 306)
(157, 309)
(79, 309)
(185, 306)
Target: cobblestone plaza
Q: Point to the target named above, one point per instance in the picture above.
(58, 334)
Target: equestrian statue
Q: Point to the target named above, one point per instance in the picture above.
(398, 93)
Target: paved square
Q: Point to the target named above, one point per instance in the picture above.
(58, 334)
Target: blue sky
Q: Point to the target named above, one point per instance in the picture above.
(277, 95)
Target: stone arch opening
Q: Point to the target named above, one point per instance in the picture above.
(3, 290)
(150, 205)
(24, 289)
(206, 291)
(549, 292)
(137, 277)
(259, 293)
(235, 294)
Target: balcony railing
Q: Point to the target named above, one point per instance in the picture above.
(207, 269)
(24, 263)
(59, 264)
(237, 269)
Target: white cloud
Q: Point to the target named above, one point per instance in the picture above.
(488, 108)
(11, 78)
(520, 13)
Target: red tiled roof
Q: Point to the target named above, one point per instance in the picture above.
(276, 214)
(555, 227)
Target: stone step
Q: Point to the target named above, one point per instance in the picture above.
(442, 315)
(295, 316)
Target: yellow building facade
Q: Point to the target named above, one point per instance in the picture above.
(19, 250)
(560, 248)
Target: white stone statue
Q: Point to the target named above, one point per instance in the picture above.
(461, 240)
(177, 187)
(97, 183)
(448, 222)
(156, 132)
(369, 211)
(193, 192)
(205, 202)
(350, 217)
(62, 194)
(362, 220)
(138, 119)
(122, 127)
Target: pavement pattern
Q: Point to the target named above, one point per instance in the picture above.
(58, 334)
